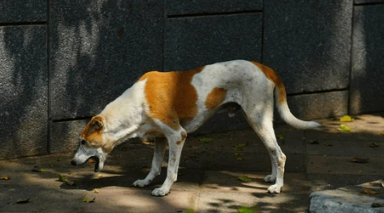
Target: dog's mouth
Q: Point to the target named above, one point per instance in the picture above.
(97, 163)
(98, 167)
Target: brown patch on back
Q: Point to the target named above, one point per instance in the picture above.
(275, 78)
(215, 98)
(93, 131)
(171, 96)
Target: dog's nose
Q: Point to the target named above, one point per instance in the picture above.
(73, 162)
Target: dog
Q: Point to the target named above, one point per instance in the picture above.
(169, 105)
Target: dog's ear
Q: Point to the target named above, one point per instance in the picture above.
(97, 123)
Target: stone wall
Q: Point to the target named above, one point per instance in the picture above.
(62, 61)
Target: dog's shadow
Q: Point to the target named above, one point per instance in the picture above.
(188, 179)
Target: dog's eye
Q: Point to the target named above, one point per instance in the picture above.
(82, 142)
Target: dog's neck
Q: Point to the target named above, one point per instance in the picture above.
(125, 115)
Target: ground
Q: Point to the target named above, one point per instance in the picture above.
(209, 173)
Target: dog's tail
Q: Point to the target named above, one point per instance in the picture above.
(285, 113)
(281, 100)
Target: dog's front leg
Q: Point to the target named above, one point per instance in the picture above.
(160, 145)
(175, 143)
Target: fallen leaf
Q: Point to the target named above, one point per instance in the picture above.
(360, 160)
(5, 178)
(253, 209)
(96, 191)
(344, 128)
(333, 119)
(377, 204)
(61, 178)
(239, 159)
(50, 165)
(99, 176)
(374, 145)
(240, 145)
(69, 182)
(205, 140)
(87, 200)
(22, 201)
(314, 142)
(237, 154)
(189, 211)
(245, 179)
(326, 144)
(43, 170)
(381, 133)
(91, 160)
(368, 191)
(346, 118)
(281, 137)
(60, 159)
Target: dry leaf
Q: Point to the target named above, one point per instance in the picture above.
(245, 179)
(240, 145)
(239, 158)
(346, 118)
(360, 160)
(253, 209)
(374, 145)
(91, 160)
(368, 191)
(344, 128)
(69, 182)
(314, 142)
(61, 178)
(87, 200)
(205, 140)
(22, 201)
(280, 137)
(5, 178)
(96, 191)
(381, 133)
(99, 176)
(326, 144)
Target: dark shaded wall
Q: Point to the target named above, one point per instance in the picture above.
(62, 61)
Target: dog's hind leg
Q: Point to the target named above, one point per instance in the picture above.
(261, 121)
(176, 141)
(160, 146)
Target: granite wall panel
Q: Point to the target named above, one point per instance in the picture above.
(23, 91)
(197, 41)
(98, 49)
(308, 43)
(367, 77)
(201, 7)
(23, 11)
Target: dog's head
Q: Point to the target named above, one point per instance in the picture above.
(93, 144)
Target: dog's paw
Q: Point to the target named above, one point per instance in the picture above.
(141, 183)
(159, 192)
(275, 189)
(270, 178)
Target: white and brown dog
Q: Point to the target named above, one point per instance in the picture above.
(168, 105)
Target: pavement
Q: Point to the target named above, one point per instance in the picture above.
(317, 160)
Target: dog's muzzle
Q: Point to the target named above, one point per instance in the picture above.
(98, 165)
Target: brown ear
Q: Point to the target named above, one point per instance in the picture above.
(97, 123)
